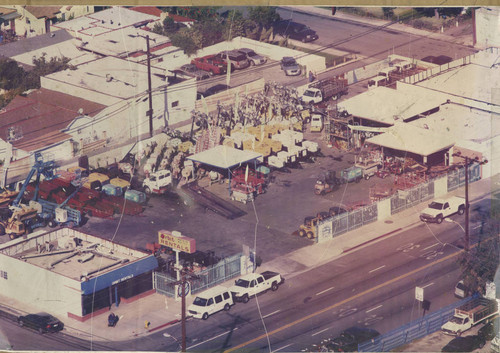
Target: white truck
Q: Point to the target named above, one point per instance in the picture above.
(441, 208)
(321, 90)
(470, 314)
(157, 182)
(253, 284)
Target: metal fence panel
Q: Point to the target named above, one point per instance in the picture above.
(164, 284)
(404, 199)
(456, 178)
(222, 271)
(411, 331)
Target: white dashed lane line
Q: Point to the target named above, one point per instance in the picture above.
(324, 291)
(375, 308)
(274, 312)
(376, 269)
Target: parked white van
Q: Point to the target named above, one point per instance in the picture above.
(211, 301)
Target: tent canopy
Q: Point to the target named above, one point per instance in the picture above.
(224, 157)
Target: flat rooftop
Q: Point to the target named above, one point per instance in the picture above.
(109, 20)
(72, 254)
(478, 81)
(386, 105)
(462, 123)
(118, 79)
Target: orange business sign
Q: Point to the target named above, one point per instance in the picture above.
(176, 241)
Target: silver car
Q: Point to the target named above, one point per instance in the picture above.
(290, 66)
(190, 70)
(252, 56)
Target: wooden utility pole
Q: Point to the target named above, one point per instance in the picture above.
(150, 111)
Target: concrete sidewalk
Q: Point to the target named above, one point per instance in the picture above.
(326, 13)
(160, 311)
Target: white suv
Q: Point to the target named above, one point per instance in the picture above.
(252, 56)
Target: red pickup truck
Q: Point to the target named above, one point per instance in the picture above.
(211, 63)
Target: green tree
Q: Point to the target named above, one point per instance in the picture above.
(480, 263)
(234, 25)
(11, 75)
(263, 15)
(185, 41)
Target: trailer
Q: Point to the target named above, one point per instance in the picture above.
(54, 214)
(351, 174)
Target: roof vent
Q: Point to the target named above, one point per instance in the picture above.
(109, 78)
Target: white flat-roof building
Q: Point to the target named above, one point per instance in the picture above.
(122, 86)
(70, 273)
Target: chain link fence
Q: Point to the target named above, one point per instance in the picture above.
(222, 271)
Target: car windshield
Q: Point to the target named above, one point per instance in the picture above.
(289, 63)
(436, 205)
(242, 283)
(308, 93)
(456, 320)
(252, 53)
(200, 301)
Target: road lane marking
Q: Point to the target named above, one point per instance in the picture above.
(210, 339)
(476, 227)
(347, 300)
(431, 246)
(428, 285)
(274, 312)
(378, 268)
(317, 333)
(375, 308)
(279, 349)
(324, 291)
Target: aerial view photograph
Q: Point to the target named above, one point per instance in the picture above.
(278, 178)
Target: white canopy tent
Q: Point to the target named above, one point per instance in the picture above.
(224, 157)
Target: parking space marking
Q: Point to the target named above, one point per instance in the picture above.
(428, 285)
(431, 246)
(324, 291)
(375, 308)
(376, 269)
(274, 312)
(317, 333)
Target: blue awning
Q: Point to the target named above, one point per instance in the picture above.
(119, 275)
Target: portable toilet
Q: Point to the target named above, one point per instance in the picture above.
(136, 196)
(113, 190)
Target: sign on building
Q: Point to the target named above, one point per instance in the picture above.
(176, 241)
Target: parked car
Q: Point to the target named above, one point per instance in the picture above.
(213, 90)
(252, 56)
(490, 329)
(464, 344)
(190, 71)
(210, 63)
(290, 66)
(42, 322)
(350, 338)
(236, 59)
(460, 290)
(295, 30)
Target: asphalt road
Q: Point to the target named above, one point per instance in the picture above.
(357, 289)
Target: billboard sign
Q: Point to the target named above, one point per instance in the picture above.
(176, 241)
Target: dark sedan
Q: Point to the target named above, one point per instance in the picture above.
(464, 344)
(490, 329)
(42, 322)
(350, 338)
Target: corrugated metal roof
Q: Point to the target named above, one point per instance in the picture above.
(43, 11)
(40, 117)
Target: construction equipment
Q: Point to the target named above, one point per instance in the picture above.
(308, 228)
(327, 183)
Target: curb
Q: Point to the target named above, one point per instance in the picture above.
(372, 240)
(164, 325)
